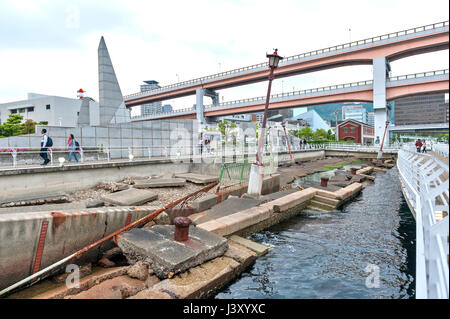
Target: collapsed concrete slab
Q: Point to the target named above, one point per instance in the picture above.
(198, 178)
(162, 182)
(156, 246)
(130, 197)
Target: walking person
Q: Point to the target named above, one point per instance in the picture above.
(305, 143)
(418, 145)
(424, 147)
(301, 143)
(73, 148)
(44, 145)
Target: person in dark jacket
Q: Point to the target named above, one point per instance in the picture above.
(418, 145)
(43, 152)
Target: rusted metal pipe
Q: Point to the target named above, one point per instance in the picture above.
(145, 219)
(181, 232)
(324, 181)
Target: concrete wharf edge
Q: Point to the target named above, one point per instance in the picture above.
(255, 219)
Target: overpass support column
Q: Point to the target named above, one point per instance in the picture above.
(381, 70)
(199, 107)
(213, 95)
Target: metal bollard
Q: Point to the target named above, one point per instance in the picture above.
(181, 232)
(324, 181)
(353, 170)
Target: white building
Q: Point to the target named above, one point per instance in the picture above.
(355, 112)
(150, 108)
(312, 119)
(371, 118)
(56, 110)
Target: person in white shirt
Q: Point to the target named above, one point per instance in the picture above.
(44, 141)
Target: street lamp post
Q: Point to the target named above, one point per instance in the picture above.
(380, 153)
(257, 168)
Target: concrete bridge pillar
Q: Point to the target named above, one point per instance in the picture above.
(199, 107)
(381, 69)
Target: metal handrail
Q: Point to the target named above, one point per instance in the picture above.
(417, 75)
(286, 60)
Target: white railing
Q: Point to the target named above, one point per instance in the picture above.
(426, 187)
(391, 148)
(441, 149)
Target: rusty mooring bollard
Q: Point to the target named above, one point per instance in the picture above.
(181, 232)
(353, 170)
(324, 181)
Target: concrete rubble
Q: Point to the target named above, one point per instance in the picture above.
(130, 197)
(163, 182)
(156, 246)
(198, 178)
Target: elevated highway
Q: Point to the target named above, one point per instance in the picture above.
(390, 46)
(362, 91)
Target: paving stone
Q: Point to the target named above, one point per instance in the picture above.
(162, 219)
(94, 203)
(198, 178)
(241, 254)
(130, 197)
(139, 271)
(41, 291)
(115, 288)
(166, 256)
(199, 282)
(257, 248)
(162, 182)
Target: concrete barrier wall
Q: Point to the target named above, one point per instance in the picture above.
(66, 233)
(42, 181)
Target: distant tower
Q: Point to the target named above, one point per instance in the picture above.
(151, 108)
(80, 93)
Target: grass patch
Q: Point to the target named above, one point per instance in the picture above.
(329, 168)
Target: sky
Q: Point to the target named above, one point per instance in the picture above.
(50, 47)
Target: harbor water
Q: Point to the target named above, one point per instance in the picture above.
(366, 249)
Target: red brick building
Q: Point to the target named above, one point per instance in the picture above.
(358, 132)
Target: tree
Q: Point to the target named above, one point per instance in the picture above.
(13, 125)
(223, 125)
(330, 135)
(305, 132)
(29, 126)
(320, 134)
